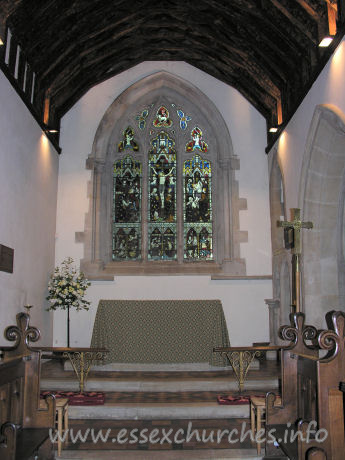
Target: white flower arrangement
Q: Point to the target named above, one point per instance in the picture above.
(67, 288)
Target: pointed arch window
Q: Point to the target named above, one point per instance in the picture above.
(164, 198)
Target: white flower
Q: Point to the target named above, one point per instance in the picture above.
(66, 287)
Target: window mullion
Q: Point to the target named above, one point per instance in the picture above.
(144, 209)
(179, 209)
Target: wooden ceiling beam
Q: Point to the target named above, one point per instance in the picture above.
(244, 12)
(74, 31)
(106, 47)
(200, 47)
(315, 9)
(267, 49)
(298, 17)
(224, 76)
(265, 110)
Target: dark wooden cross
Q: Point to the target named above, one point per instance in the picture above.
(296, 226)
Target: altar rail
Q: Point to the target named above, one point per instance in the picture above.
(313, 367)
(24, 426)
(241, 358)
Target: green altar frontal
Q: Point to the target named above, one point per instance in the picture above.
(160, 331)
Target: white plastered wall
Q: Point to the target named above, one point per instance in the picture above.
(28, 191)
(243, 301)
(328, 89)
(294, 143)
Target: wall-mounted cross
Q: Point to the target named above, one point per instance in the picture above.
(296, 226)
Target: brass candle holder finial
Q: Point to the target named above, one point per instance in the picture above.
(27, 308)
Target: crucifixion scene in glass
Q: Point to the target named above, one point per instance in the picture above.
(162, 190)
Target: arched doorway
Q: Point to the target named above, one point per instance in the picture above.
(281, 257)
(322, 200)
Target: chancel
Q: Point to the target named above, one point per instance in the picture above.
(154, 147)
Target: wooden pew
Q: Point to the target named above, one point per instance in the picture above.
(312, 369)
(24, 426)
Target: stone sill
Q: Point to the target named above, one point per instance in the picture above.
(234, 269)
(241, 277)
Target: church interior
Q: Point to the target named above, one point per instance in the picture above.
(189, 160)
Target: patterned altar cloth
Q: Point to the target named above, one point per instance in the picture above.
(160, 331)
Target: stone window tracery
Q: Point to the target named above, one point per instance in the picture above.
(163, 193)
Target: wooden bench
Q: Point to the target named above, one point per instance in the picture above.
(24, 426)
(312, 370)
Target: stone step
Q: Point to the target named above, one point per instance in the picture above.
(160, 367)
(195, 454)
(220, 385)
(159, 411)
(162, 434)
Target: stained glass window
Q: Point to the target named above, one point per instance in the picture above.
(162, 198)
(141, 118)
(176, 223)
(184, 119)
(145, 215)
(162, 118)
(128, 141)
(197, 209)
(127, 209)
(197, 141)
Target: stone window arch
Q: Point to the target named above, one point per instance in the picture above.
(128, 129)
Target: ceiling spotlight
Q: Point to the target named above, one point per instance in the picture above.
(50, 130)
(273, 129)
(1, 42)
(326, 41)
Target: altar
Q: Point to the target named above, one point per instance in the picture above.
(160, 331)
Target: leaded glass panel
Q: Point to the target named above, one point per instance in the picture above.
(128, 141)
(162, 242)
(162, 118)
(127, 176)
(197, 209)
(162, 198)
(126, 242)
(197, 141)
(184, 119)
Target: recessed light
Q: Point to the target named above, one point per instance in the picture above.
(326, 41)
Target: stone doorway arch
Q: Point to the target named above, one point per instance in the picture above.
(322, 200)
(280, 305)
